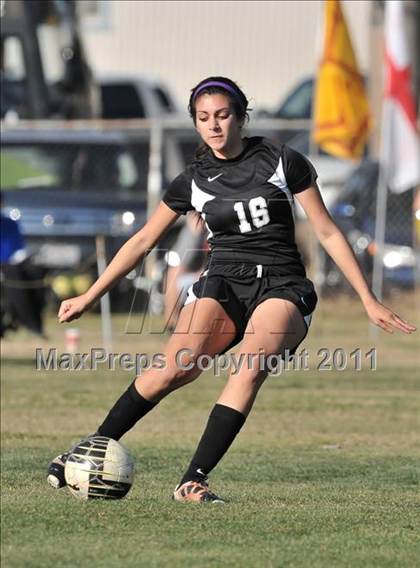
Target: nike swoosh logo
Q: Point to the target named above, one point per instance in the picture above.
(215, 177)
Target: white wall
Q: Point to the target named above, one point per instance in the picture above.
(265, 46)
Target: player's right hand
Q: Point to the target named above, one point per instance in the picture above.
(72, 308)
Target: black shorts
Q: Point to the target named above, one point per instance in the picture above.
(241, 287)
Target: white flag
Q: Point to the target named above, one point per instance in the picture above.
(400, 146)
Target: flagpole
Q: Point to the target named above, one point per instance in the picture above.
(381, 207)
(380, 227)
(316, 252)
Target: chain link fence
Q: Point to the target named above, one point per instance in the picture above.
(65, 184)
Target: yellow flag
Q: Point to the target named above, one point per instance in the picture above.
(341, 109)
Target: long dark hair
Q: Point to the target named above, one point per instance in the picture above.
(213, 86)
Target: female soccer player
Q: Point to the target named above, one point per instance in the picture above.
(253, 287)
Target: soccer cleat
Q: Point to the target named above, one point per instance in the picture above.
(55, 472)
(196, 491)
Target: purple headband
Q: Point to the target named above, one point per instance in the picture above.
(225, 86)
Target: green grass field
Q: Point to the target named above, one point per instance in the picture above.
(324, 473)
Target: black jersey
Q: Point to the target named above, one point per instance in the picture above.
(247, 202)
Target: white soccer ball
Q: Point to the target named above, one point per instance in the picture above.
(99, 468)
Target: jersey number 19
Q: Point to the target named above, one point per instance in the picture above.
(259, 214)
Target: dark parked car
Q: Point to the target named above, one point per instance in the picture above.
(67, 185)
(355, 213)
(135, 97)
(298, 102)
(296, 105)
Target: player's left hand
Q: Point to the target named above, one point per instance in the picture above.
(385, 318)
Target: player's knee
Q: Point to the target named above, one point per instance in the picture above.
(252, 378)
(175, 377)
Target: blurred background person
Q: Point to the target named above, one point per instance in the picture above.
(22, 289)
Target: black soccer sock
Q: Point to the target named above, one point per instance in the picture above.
(128, 409)
(222, 427)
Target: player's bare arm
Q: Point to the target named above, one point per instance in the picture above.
(125, 260)
(336, 245)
